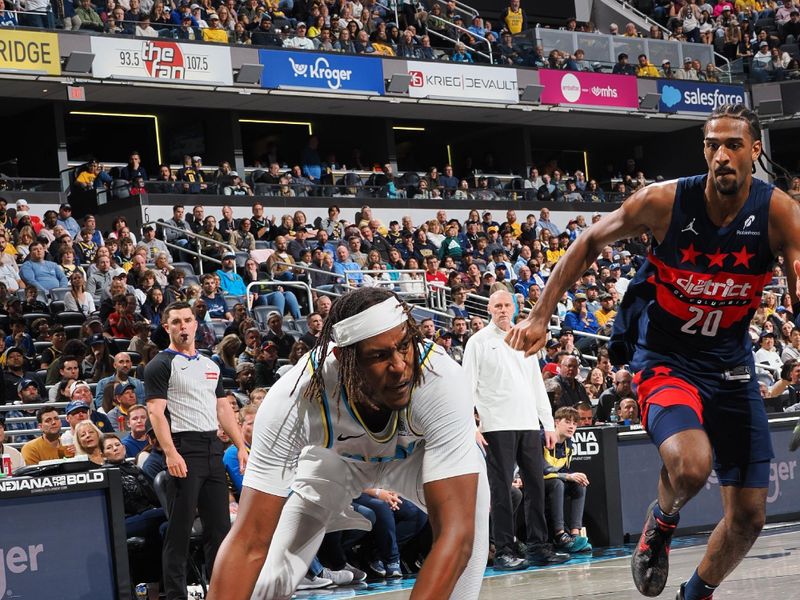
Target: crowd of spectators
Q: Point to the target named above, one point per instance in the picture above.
(81, 310)
(423, 29)
(313, 175)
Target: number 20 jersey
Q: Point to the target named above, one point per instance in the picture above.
(702, 284)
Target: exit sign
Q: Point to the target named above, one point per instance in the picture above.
(76, 93)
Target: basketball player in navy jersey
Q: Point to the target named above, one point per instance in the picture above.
(683, 326)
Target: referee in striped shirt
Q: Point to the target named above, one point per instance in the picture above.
(189, 386)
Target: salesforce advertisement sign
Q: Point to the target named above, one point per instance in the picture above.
(326, 72)
(695, 96)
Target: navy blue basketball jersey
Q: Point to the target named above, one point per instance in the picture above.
(693, 300)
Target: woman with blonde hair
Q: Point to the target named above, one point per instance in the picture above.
(226, 355)
(89, 442)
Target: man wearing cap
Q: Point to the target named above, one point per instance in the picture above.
(80, 391)
(187, 29)
(508, 393)
(230, 282)
(215, 32)
(607, 311)
(43, 274)
(592, 292)
(67, 221)
(299, 40)
(265, 35)
(292, 494)
(152, 243)
(137, 439)
(27, 393)
(581, 319)
(189, 386)
(75, 412)
(15, 371)
(104, 392)
(687, 72)
(184, 10)
(124, 399)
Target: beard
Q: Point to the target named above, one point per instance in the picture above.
(727, 184)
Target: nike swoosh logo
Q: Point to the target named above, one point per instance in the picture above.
(343, 438)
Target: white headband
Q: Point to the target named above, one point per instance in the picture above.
(370, 322)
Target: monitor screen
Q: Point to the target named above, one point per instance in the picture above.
(57, 544)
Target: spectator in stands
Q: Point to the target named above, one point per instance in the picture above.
(768, 355)
(513, 17)
(628, 412)
(215, 32)
(43, 274)
(561, 482)
(299, 41)
(610, 398)
(48, 445)
(144, 29)
(119, 323)
(77, 299)
(461, 54)
(645, 68)
(282, 340)
(104, 393)
(215, 303)
(66, 220)
(346, 268)
(572, 391)
(87, 16)
(622, 67)
(124, 400)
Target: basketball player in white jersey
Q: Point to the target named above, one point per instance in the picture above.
(372, 405)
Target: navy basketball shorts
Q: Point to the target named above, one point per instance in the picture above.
(731, 413)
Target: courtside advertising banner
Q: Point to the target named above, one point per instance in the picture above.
(588, 89)
(325, 72)
(694, 96)
(29, 52)
(462, 82)
(158, 59)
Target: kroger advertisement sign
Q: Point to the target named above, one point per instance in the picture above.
(327, 72)
(589, 89)
(693, 96)
(464, 82)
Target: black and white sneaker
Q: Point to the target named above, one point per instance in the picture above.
(507, 561)
(543, 555)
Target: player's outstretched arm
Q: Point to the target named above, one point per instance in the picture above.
(451, 511)
(784, 228)
(649, 209)
(245, 548)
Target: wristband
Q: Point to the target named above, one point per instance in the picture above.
(378, 492)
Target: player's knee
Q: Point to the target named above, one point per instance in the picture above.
(689, 475)
(747, 521)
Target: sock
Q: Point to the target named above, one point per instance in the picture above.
(666, 521)
(697, 589)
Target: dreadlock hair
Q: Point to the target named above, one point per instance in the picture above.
(742, 113)
(350, 380)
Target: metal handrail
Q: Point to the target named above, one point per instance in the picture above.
(473, 34)
(464, 8)
(625, 4)
(194, 235)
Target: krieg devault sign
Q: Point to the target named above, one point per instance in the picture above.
(468, 82)
(326, 72)
(29, 52)
(161, 59)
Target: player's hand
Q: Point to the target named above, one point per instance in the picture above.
(580, 479)
(481, 440)
(550, 439)
(528, 335)
(176, 465)
(242, 455)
